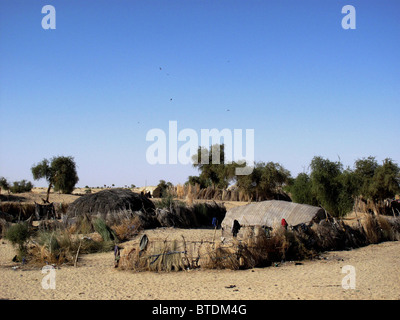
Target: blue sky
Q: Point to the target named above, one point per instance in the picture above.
(92, 88)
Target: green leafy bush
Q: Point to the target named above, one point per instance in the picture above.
(18, 234)
(21, 186)
(105, 231)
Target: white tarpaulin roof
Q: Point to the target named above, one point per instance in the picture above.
(269, 213)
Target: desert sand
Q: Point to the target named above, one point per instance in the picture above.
(377, 270)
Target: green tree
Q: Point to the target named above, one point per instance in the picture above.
(21, 186)
(203, 183)
(325, 183)
(213, 169)
(264, 181)
(377, 182)
(385, 182)
(164, 188)
(364, 170)
(301, 190)
(60, 173)
(4, 184)
(349, 189)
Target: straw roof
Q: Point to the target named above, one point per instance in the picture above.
(111, 202)
(268, 213)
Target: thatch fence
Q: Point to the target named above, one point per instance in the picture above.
(257, 246)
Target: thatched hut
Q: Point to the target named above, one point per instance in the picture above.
(271, 212)
(112, 205)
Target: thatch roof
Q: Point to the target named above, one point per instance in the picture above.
(112, 204)
(194, 216)
(268, 213)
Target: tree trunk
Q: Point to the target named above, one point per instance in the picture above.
(48, 193)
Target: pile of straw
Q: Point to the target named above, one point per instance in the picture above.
(193, 216)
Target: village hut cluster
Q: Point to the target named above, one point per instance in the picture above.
(256, 234)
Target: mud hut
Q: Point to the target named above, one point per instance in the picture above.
(112, 205)
(271, 212)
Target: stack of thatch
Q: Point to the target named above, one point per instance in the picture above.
(113, 205)
(194, 216)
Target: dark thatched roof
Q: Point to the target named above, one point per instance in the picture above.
(108, 204)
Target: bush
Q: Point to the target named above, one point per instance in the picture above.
(167, 202)
(59, 246)
(21, 186)
(4, 184)
(300, 190)
(18, 235)
(105, 231)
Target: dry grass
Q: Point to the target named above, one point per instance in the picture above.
(157, 256)
(127, 228)
(379, 228)
(20, 211)
(258, 247)
(62, 247)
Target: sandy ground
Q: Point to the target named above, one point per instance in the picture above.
(377, 276)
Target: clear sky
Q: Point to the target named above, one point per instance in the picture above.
(92, 88)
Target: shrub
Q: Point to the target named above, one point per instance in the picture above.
(59, 246)
(167, 202)
(105, 231)
(18, 235)
(21, 186)
(4, 184)
(300, 190)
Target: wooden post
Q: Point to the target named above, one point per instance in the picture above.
(77, 253)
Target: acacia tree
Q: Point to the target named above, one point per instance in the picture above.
(364, 171)
(266, 180)
(59, 172)
(213, 169)
(325, 183)
(164, 187)
(300, 190)
(335, 189)
(386, 181)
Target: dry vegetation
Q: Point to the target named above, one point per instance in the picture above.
(53, 242)
(258, 247)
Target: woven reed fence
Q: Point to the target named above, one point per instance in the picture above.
(255, 246)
